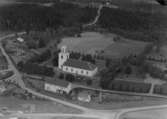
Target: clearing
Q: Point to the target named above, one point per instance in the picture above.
(103, 44)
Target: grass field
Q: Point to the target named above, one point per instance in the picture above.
(89, 42)
(147, 114)
(36, 106)
(93, 42)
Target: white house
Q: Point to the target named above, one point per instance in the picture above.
(74, 66)
(20, 39)
(84, 97)
(57, 86)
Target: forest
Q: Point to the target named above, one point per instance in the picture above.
(35, 17)
(132, 24)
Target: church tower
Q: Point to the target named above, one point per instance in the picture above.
(63, 56)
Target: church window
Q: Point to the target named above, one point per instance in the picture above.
(87, 72)
(61, 57)
(71, 69)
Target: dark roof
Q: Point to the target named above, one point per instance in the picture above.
(79, 64)
(57, 82)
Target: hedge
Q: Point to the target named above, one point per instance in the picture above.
(129, 86)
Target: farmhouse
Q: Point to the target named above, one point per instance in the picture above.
(77, 67)
(57, 86)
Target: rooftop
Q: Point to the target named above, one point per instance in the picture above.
(79, 64)
(61, 83)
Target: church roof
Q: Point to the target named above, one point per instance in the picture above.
(79, 64)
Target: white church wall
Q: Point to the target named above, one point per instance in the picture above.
(78, 71)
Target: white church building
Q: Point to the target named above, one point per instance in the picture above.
(74, 66)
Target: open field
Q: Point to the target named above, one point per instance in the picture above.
(89, 42)
(147, 114)
(124, 48)
(72, 118)
(94, 42)
(37, 106)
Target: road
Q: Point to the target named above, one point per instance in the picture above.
(120, 92)
(16, 78)
(88, 113)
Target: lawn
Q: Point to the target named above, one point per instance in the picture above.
(89, 42)
(146, 114)
(37, 106)
(94, 42)
(124, 48)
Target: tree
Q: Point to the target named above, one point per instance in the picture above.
(89, 82)
(55, 59)
(41, 43)
(128, 70)
(70, 77)
(31, 44)
(61, 76)
(20, 65)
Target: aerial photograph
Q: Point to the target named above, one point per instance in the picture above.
(83, 59)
